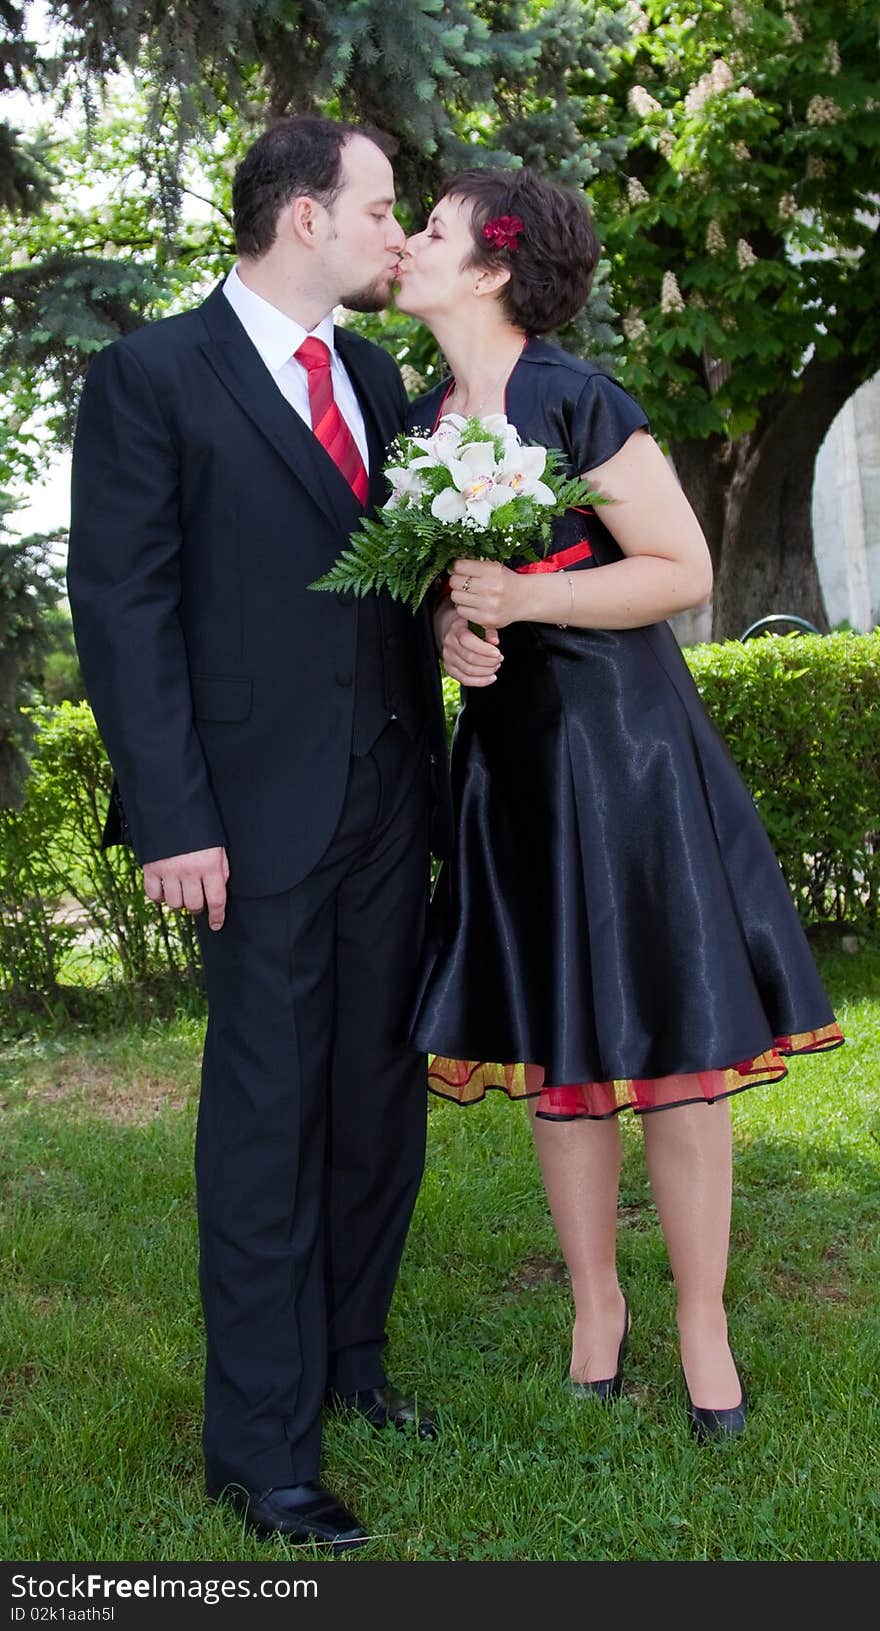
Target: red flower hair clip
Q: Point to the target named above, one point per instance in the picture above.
(503, 232)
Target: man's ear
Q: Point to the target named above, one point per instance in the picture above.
(301, 216)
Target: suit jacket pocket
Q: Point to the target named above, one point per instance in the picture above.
(226, 697)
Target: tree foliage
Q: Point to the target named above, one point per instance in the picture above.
(728, 146)
(742, 227)
(28, 588)
(167, 99)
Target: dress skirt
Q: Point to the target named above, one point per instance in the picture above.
(613, 929)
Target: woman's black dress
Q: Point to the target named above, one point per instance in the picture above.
(613, 915)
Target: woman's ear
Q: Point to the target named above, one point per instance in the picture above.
(490, 279)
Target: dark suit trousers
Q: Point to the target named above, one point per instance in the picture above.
(311, 1132)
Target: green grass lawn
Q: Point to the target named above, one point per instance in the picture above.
(101, 1348)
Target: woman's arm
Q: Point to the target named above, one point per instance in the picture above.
(667, 567)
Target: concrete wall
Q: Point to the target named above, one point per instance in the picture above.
(846, 511)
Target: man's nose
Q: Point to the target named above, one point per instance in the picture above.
(397, 236)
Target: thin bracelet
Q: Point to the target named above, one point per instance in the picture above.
(567, 576)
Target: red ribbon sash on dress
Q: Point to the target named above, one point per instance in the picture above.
(580, 551)
(557, 563)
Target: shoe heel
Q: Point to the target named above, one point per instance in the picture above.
(713, 1426)
(610, 1387)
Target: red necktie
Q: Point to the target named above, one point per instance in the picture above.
(327, 421)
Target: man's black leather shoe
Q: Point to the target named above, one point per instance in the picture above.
(381, 1405)
(299, 1512)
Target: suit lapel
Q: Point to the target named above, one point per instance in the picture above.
(238, 365)
(240, 368)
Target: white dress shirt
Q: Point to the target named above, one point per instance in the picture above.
(276, 337)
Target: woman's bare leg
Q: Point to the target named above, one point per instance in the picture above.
(580, 1165)
(689, 1158)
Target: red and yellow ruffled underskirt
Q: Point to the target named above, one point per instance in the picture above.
(466, 1081)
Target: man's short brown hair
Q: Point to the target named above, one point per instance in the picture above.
(295, 156)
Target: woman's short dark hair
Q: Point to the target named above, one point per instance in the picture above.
(552, 267)
(296, 156)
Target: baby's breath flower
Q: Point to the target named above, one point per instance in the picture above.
(741, 152)
(788, 207)
(817, 169)
(831, 60)
(745, 254)
(635, 192)
(666, 142)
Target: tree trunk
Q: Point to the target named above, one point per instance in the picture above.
(753, 498)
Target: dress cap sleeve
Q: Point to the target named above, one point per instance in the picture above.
(603, 418)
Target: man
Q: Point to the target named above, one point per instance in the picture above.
(272, 748)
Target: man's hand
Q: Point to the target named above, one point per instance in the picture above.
(466, 657)
(196, 881)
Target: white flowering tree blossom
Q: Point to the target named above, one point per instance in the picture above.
(742, 233)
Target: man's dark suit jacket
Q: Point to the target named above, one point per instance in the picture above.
(203, 507)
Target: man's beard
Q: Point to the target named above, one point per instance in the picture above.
(373, 297)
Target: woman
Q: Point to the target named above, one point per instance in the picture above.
(613, 915)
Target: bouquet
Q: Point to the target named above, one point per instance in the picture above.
(472, 489)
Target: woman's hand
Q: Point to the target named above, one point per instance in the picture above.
(466, 657)
(487, 593)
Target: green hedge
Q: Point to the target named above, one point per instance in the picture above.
(801, 715)
(70, 912)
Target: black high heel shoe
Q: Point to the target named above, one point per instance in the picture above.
(711, 1426)
(610, 1386)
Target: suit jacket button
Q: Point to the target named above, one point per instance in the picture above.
(343, 677)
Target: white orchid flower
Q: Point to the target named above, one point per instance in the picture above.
(443, 445)
(498, 424)
(478, 459)
(477, 491)
(521, 469)
(406, 484)
(449, 428)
